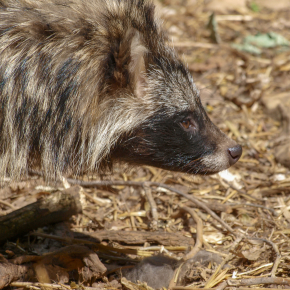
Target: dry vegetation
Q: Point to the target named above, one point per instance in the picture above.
(241, 218)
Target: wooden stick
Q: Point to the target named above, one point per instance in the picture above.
(54, 208)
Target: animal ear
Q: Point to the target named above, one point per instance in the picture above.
(137, 68)
(130, 62)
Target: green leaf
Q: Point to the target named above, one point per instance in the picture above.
(267, 40)
(247, 47)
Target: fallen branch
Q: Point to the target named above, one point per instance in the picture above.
(137, 238)
(54, 208)
(109, 249)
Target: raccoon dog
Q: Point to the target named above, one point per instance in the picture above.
(84, 83)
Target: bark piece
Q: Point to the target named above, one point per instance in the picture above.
(135, 238)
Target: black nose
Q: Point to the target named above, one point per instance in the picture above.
(235, 154)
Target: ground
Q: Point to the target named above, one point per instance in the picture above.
(240, 61)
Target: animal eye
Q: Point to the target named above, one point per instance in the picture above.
(188, 125)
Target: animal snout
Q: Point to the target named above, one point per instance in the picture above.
(234, 154)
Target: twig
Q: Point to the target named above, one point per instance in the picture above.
(234, 18)
(199, 233)
(259, 280)
(7, 204)
(153, 205)
(263, 267)
(255, 205)
(37, 285)
(198, 243)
